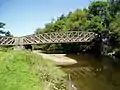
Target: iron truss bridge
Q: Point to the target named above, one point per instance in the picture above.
(52, 37)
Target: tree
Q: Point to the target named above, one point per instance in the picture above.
(6, 33)
(2, 25)
(39, 30)
(97, 8)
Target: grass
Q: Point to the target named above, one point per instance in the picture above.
(21, 70)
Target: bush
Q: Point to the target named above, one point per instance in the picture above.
(20, 70)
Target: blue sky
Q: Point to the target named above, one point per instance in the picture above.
(23, 17)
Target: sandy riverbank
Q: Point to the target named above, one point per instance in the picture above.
(59, 59)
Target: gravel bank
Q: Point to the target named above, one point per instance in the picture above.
(59, 59)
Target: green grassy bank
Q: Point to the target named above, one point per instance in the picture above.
(21, 70)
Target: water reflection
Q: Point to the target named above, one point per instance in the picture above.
(93, 73)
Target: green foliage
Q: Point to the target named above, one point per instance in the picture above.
(78, 20)
(2, 25)
(39, 30)
(25, 71)
(98, 7)
(114, 7)
(6, 33)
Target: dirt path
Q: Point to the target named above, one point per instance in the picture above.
(59, 59)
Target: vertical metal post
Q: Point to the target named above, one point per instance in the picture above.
(18, 43)
(21, 42)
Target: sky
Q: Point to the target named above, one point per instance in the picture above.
(23, 17)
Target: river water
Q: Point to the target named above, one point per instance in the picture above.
(93, 73)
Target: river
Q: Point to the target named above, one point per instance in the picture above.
(93, 73)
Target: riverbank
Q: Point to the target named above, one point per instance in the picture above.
(58, 59)
(23, 70)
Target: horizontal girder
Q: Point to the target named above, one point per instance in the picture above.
(52, 37)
